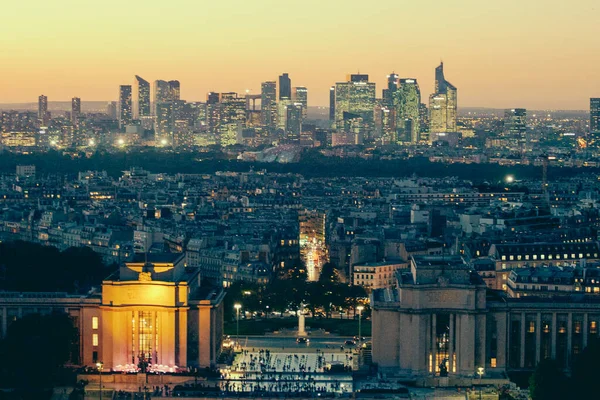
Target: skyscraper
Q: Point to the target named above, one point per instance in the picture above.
(174, 90)
(515, 127)
(300, 95)
(268, 103)
(75, 109)
(43, 110)
(285, 87)
(125, 106)
(406, 103)
(356, 98)
(443, 104)
(161, 93)
(388, 93)
(111, 109)
(164, 123)
(293, 123)
(595, 117)
(141, 97)
(332, 104)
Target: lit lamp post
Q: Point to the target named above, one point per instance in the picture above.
(237, 307)
(480, 371)
(100, 365)
(359, 309)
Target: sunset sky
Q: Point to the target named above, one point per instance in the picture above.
(509, 53)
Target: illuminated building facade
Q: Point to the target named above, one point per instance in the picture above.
(75, 109)
(300, 96)
(125, 106)
(442, 318)
(443, 104)
(285, 87)
(356, 97)
(407, 100)
(141, 96)
(515, 127)
(293, 123)
(156, 313)
(268, 104)
(43, 115)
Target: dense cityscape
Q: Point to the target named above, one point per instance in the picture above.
(396, 241)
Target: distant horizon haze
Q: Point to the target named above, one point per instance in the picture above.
(533, 54)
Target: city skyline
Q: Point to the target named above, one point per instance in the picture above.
(500, 57)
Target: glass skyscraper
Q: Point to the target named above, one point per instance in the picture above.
(595, 116)
(141, 96)
(355, 99)
(443, 104)
(285, 87)
(268, 104)
(300, 95)
(125, 106)
(406, 103)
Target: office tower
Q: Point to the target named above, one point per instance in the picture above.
(161, 93)
(356, 99)
(594, 120)
(282, 113)
(268, 104)
(424, 122)
(212, 97)
(125, 106)
(300, 96)
(111, 109)
(285, 87)
(293, 122)
(515, 127)
(406, 103)
(75, 109)
(332, 104)
(388, 93)
(141, 98)
(164, 123)
(43, 110)
(442, 104)
(174, 90)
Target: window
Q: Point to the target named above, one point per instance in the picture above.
(503, 258)
(493, 362)
(94, 322)
(95, 339)
(531, 327)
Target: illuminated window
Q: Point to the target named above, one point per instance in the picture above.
(94, 322)
(95, 339)
(535, 256)
(531, 327)
(493, 362)
(503, 258)
(593, 327)
(577, 326)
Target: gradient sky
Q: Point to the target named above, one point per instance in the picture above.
(509, 53)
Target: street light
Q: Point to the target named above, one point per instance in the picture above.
(359, 309)
(100, 365)
(237, 307)
(480, 371)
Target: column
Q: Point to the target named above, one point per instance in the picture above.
(553, 336)
(538, 337)
(585, 329)
(3, 322)
(522, 362)
(433, 344)
(569, 337)
(451, 347)
(481, 339)
(458, 335)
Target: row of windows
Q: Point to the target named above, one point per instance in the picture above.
(543, 256)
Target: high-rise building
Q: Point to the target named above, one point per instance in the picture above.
(141, 97)
(43, 110)
(515, 127)
(213, 97)
(388, 93)
(595, 118)
(164, 123)
(443, 104)
(356, 96)
(407, 101)
(285, 87)
(111, 109)
(332, 104)
(174, 90)
(293, 122)
(125, 106)
(268, 104)
(300, 95)
(75, 109)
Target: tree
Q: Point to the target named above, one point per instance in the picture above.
(548, 382)
(35, 348)
(584, 371)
